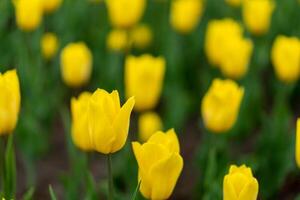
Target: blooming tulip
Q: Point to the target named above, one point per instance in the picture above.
(49, 44)
(149, 123)
(160, 164)
(51, 5)
(117, 40)
(298, 143)
(141, 36)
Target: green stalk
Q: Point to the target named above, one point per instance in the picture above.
(136, 191)
(110, 178)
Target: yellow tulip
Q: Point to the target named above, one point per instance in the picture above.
(49, 45)
(117, 40)
(149, 123)
(257, 15)
(141, 36)
(160, 164)
(144, 80)
(79, 127)
(108, 121)
(10, 100)
(221, 104)
(234, 3)
(286, 58)
(125, 13)
(29, 14)
(240, 184)
(76, 64)
(185, 15)
(298, 143)
(50, 6)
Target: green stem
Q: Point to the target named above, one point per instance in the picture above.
(110, 178)
(136, 191)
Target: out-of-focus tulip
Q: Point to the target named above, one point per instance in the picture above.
(29, 14)
(286, 58)
(144, 80)
(185, 15)
(240, 184)
(257, 15)
(149, 123)
(234, 3)
(141, 36)
(160, 164)
(125, 13)
(10, 100)
(117, 40)
(76, 64)
(108, 121)
(49, 45)
(50, 6)
(79, 127)
(298, 143)
(221, 104)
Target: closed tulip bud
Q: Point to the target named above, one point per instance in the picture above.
(234, 3)
(76, 64)
(221, 104)
(144, 80)
(240, 184)
(117, 40)
(298, 143)
(125, 13)
(285, 57)
(141, 36)
(149, 123)
(49, 45)
(160, 164)
(108, 121)
(185, 15)
(79, 127)
(50, 6)
(29, 14)
(257, 15)
(10, 100)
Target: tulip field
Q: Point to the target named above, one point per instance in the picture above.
(150, 99)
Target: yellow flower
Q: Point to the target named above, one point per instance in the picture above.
(108, 121)
(221, 104)
(49, 45)
(117, 40)
(285, 57)
(185, 15)
(149, 123)
(50, 6)
(141, 36)
(257, 15)
(234, 3)
(29, 14)
(79, 127)
(144, 80)
(298, 143)
(160, 164)
(10, 100)
(76, 64)
(125, 13)
(240, 184)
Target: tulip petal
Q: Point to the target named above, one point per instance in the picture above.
(297, 153)
(171, 141)
(228, 190)
(250, 190)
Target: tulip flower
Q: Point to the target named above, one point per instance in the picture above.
(76, 64)
(234, 3)
(117, 40)
(148, 124)
(160, 164)
(79, 127)
(108, 121)
(285, 57)
(141, 36)
(298, 143)
(49, 45)
(29, 14)
(144, 80)
(240, 184)
(50, 6)
(125, 13)
(221, 104)
(257, 15)
(185, 15)
(10, 100)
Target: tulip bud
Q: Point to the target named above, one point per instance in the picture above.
(149, 123)
(298, 143)
(76, 64)
(234, 3)
(144, 80)
(108, 121)
(10, 99)
(117, 40)
(221, 104)
(285, 57)
(49, 45)
(160, 164)
(125, 13)
(257, 15)
(50, 6)
(240, 184)
(185, 15)
(141, 36)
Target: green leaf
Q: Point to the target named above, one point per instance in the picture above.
(29, 194)
(52, 194)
